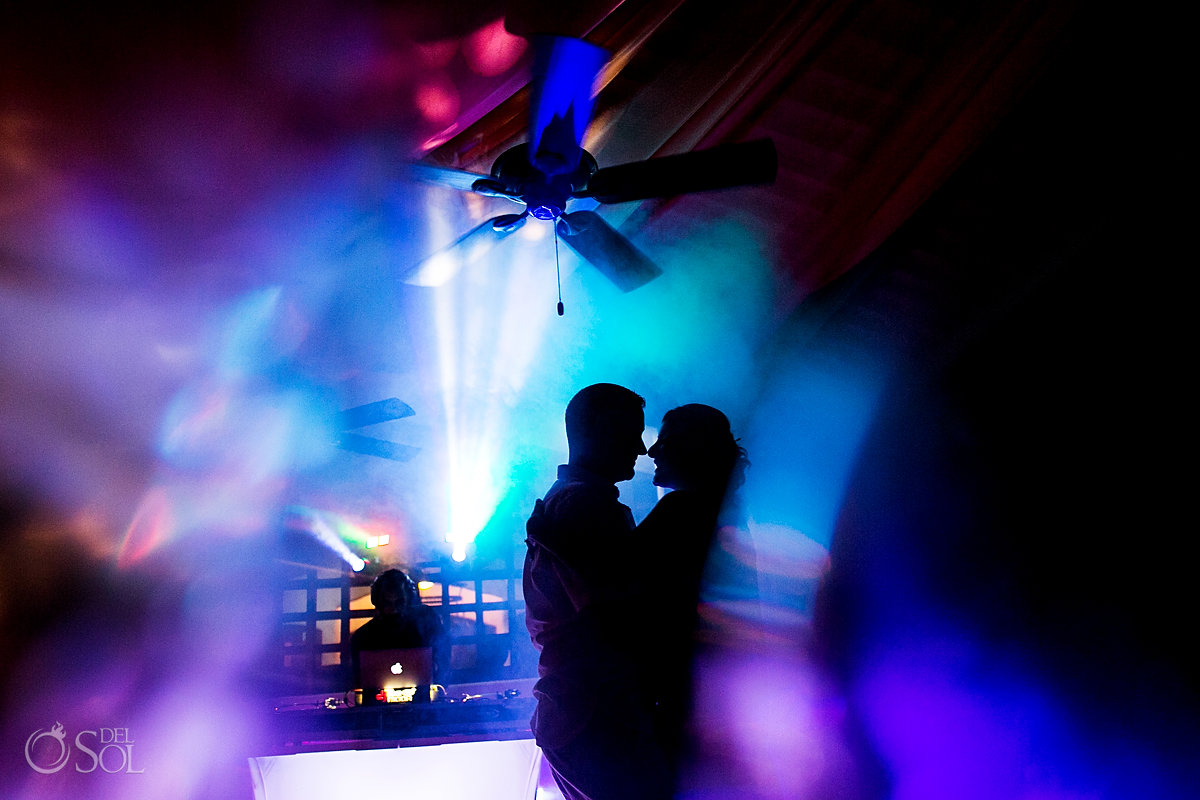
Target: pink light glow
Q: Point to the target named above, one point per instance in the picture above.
(149, 528)
(437, 100)
(437, 54)
(439, 139)
(770, 712)
(491, 50)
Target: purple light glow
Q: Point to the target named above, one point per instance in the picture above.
(768, 709)
(955, 718)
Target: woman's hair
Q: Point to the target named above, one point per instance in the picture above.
(705, 445)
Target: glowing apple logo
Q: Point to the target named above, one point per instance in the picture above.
(397, 668)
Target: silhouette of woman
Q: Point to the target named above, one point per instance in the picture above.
(697, 457)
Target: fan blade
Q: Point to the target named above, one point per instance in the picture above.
(507, 223)
(462, 180)
(720, 167)
(443, 265)
(379, 448)
(445, 176)
(564, 78)
(596, 241)
(374, 413)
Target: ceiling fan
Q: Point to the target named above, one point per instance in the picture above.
(552, 171)
(351, 419)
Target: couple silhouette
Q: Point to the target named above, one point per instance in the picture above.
(612, 606)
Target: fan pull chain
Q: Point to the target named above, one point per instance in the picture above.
(557, 270)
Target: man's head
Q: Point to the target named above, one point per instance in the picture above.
(604, 430)
(393, 592)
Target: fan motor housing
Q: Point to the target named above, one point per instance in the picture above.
(545, 195)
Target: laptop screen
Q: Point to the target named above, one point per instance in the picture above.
(394, 670)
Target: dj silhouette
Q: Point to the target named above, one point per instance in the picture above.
(401, 621)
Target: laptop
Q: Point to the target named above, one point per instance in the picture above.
(400, 675)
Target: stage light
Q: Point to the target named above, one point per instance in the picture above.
(488, 326)
(377, 541)
(333, 531)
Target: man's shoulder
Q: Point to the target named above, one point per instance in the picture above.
(583, 492)
(578, 515)
(578, 504)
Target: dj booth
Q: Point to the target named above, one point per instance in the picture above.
(473, 743)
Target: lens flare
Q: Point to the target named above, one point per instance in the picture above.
(150, 528)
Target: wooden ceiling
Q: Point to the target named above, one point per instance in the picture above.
(872, 104)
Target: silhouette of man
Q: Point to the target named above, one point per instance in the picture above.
(593, 722)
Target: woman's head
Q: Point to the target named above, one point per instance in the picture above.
(696, 449)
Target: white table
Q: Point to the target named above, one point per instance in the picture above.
(487, 770)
